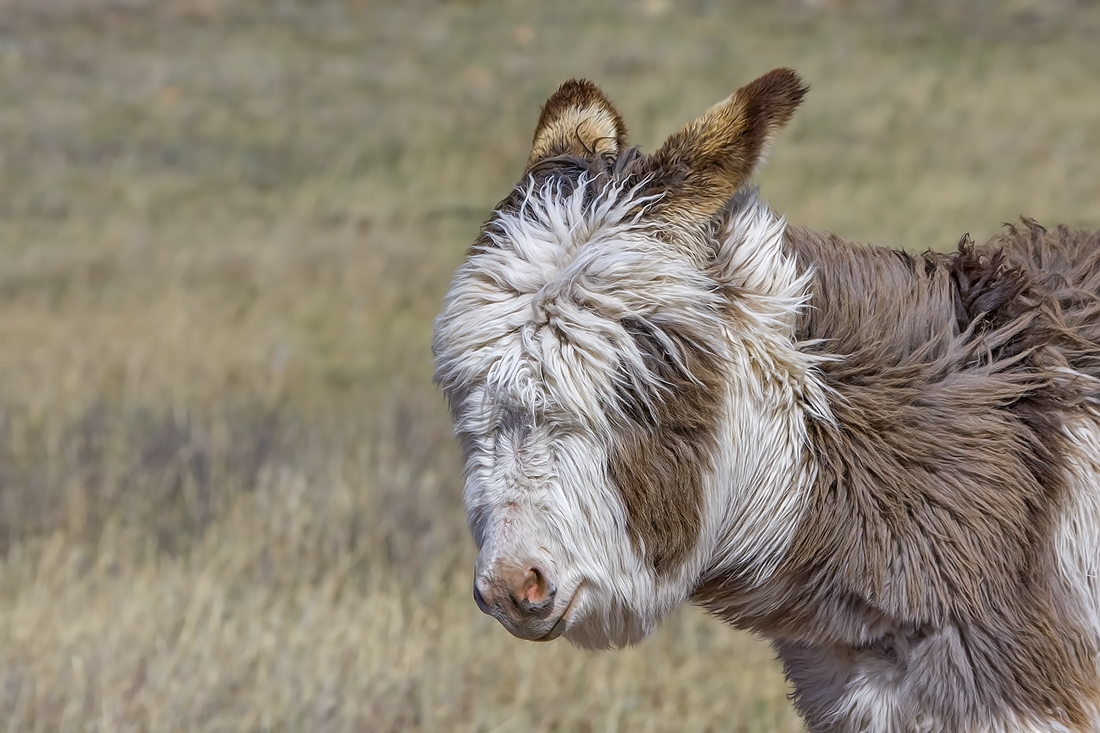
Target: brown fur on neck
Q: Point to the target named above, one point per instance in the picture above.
(929, 531)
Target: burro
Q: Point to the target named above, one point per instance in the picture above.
(888, 464)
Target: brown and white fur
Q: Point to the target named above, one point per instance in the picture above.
(887, 464)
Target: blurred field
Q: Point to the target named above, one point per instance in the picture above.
(228, 494)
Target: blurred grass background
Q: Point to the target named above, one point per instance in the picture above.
(228, 494)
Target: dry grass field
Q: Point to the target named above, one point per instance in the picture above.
(228, 494)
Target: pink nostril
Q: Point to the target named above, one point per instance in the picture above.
(480, 601)
(532, 587)
(532, 592)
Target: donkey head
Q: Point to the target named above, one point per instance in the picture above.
(587, 348)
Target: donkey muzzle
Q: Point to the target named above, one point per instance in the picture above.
(522, 598)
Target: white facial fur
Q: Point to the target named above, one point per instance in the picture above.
(530, 348)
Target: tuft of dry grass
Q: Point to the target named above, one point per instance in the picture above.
(229, 499)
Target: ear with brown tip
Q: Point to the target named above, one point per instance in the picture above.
(577, 120)
(707, 161)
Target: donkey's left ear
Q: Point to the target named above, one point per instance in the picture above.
(704, 164)
(577, 120)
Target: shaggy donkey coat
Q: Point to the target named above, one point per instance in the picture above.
(887, 464)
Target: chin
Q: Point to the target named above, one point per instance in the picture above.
(610, 632)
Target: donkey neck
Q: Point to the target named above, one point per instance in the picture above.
(860, 310)
(929, 489)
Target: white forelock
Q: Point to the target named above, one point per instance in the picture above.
(535, 315)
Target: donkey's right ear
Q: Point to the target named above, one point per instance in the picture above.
(577, 120)
(708, 160)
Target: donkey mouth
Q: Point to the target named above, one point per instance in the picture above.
(546, 631)
(562, 623)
